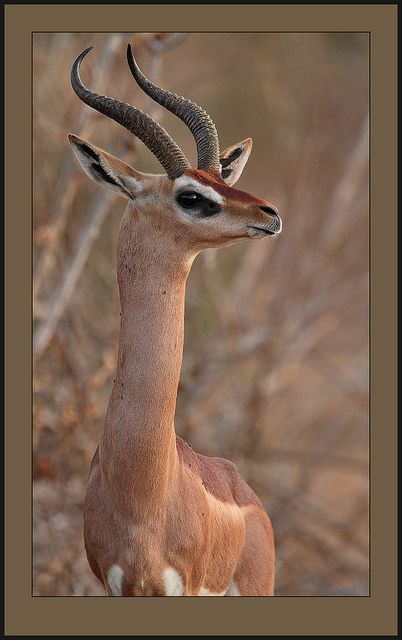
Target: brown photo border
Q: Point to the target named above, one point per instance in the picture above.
(370, 615)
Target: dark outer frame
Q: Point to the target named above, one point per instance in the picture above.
(370, 615)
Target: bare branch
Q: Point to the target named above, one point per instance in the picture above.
(88, 235)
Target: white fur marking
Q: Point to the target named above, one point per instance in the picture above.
(173, 582)
(232, 590)
(134, 184)
(208, 192)
(206, 592)
(115, 579)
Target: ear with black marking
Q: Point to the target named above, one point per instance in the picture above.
(233, 160)
(107, 170)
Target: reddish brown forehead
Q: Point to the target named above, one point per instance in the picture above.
(214, 180)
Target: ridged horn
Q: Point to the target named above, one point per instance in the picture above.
(197, 120)
(140, 124)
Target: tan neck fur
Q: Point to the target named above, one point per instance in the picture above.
(138, 448)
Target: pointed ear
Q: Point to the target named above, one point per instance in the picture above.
(233, 160)
(107, 170)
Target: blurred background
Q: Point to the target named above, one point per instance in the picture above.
(275, 371)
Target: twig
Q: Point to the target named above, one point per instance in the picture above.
(77, 262)
(66, 188)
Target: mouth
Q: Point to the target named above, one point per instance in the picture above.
(261, 232)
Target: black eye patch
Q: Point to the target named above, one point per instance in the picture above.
(197, 204)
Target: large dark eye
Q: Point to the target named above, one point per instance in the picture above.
(189, 199)
(201, 207)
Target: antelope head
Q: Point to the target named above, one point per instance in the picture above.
(194, 208)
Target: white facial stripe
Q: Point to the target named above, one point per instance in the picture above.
(184, 182)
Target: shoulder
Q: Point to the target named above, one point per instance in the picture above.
(220, 477)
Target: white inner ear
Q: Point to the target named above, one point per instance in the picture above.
(184, 182)
(112, 175)
(233, 161)
(130, 183)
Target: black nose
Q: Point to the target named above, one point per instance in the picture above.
(271, 210)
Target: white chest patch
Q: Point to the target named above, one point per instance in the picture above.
(172, 582)
(115, 579)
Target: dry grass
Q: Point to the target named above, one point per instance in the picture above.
(275, 372)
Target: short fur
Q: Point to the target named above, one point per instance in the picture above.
(156, 512)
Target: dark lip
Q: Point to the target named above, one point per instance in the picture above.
(269, 233)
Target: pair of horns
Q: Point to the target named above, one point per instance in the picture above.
(150, 132)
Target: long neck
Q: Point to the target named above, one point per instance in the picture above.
(138, 449)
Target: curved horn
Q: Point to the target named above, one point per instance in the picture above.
(140, 124)
(197, 120)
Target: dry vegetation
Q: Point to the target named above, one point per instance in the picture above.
(275, 372)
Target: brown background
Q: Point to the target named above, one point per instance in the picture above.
(275, 371)
(384, 353)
